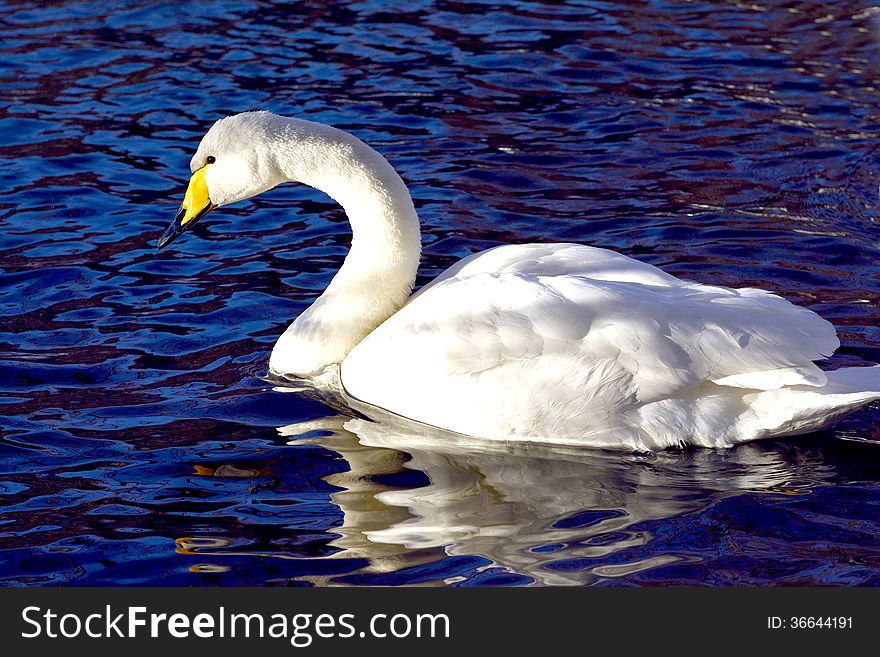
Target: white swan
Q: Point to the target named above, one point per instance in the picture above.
(548, 342)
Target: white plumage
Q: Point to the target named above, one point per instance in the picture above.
(583, 345)
(541, 342)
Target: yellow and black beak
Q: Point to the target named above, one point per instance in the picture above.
(196, 204)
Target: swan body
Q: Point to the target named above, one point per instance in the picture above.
(561, 343)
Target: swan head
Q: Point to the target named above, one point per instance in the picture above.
(234, 161)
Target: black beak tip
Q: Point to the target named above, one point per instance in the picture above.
(176, 229)
(173, 231)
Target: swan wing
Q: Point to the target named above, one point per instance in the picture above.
(521, 340)
(554, 260)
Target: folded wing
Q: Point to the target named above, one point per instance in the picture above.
(525, 340)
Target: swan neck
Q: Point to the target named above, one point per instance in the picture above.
(378, 273)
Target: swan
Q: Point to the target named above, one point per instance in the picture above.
(561, 343)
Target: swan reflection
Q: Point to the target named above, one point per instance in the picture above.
(552, 514)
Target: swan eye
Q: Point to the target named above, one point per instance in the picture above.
(211, 159)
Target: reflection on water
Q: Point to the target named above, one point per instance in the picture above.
(552, 515)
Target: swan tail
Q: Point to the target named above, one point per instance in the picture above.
(801, 409)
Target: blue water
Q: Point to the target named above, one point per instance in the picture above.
(728, 143)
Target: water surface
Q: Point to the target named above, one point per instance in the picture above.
(139, 443)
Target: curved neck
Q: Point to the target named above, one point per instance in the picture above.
(377, 276)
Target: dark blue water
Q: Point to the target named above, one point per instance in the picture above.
(728, 143)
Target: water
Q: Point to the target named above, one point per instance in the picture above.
(730, 143)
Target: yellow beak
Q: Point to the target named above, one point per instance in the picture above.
(196, 204)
